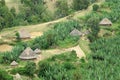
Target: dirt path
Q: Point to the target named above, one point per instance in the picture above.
(49, 53)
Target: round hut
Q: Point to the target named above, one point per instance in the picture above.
(24, 34)
(27, 54)
(76, 32)
(37, 51)
(105, 22)
(14, 63)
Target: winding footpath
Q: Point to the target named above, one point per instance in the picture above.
(53, 52)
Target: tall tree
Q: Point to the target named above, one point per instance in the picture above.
(80, 4)
(62, 8)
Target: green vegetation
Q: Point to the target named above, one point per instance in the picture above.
(62, 8)
(80, 4)
(95, 7)
(12, 55)
(4, 75)
(103, 63)
(59, 67)
(57, 36)
(28, 70)
(102, 52)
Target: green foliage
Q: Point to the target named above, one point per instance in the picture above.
(68, 42)
(12, 55)
(62, 8)
(93, 23)
(95, 7)
(68, 56)
(6, 17)
(20, 70)
(18, 37)
(58, 67)
(60, 32)
(80, 4)
(104, 62)
(28, 70)
(4, 75)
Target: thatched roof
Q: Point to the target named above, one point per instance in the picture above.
(14, 63)
(37, 51)
(28, 53)
(24, 34)
(76, 32)
(86, 32)
(17, 77)
(105, 21)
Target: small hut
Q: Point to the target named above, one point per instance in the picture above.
(17, 77)
(76, 32)
(105, 22)
(37, 51)
(28, 54)
(14, 63)
(86, 32)
(24, 34)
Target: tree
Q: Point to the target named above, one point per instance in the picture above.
(62, 8)
(95, 7)
(94, 27)
(2, 2)
(80, 4)
(18, 37)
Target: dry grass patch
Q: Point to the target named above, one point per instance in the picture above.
(5, 47)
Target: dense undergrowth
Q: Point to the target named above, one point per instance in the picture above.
(59, 35)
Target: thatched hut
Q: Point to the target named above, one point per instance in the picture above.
(24, 34)
(105, 22)
(37, 51)
(17, 77)
(76, 32)
(27, 54)
(14, 63)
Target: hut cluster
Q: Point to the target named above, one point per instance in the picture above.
(27, 54)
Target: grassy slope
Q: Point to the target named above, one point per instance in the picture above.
(44, 26)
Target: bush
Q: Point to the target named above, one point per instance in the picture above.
(5, 76)
(12, 55)
(28, 70)
(95, 7)
(60, 32)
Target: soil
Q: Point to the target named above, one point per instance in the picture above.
(5, 47)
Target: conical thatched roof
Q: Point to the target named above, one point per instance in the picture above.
(37, 51)
(105, 22)
(76, 32)
(24, 34)
(28, 53)
(17, 77)
(14, 63)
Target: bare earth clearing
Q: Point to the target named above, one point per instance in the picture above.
(5, 47)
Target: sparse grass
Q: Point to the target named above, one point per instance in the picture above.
(84, 45)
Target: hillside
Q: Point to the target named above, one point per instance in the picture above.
(79, 43)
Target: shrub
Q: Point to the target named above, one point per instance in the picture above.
(12, 55)
(5, 76)
(95, 7)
